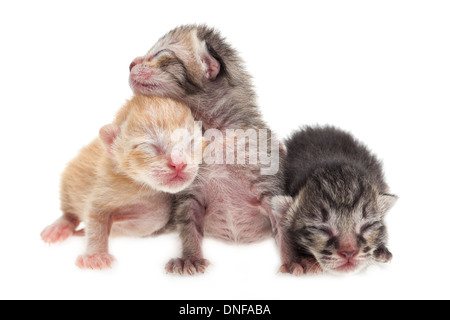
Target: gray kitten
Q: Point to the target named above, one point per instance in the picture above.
(195, 65)
(332, 215)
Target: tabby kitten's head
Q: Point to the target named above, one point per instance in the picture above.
(180, 64)
(337, 218)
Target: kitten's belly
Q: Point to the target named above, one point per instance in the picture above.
(233, 211)
(140, 220)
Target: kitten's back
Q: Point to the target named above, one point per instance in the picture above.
(317, 147)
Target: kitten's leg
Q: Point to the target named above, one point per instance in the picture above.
(295, 263)
(299, 266)
(291, 261)
(190, 218)
(98, 228)
(61, 229)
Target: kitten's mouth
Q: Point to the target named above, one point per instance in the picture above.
(143, 79)
(177, 183)
(347, 267)
(144, 86)
(176, 180)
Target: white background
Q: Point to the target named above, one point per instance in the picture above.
(380, 69)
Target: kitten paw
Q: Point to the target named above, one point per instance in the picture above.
(382, 254)
(57, 232)
(295, 269)
(304, 266)
(187, 266)
(311, 265)
(94, 261)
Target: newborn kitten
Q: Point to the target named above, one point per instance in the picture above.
(120, 183)
(336, 198)
(195, 65)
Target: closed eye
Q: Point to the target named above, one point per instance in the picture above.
(151, 148)
(369, 226)
(321, 230)
(164, 51)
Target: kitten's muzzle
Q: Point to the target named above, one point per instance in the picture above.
(348, 254)
(136, 62)
(177, 167)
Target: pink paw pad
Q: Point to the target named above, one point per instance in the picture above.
(96, 261)
(57, 232)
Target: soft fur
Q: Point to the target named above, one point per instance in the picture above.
(195, 65)
(120, 183)
(336, 198)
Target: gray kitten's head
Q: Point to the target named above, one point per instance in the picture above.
(194, 64)
(190, 60)
(337, 217)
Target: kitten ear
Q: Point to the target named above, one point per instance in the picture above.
(108, 135)
(210, 64)
(280, 205)
(386, 202)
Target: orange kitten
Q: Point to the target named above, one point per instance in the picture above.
(121, 183)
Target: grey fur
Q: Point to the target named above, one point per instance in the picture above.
(234, 197)
(227, 102)
(335, 190)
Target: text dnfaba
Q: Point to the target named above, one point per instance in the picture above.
(246, 310)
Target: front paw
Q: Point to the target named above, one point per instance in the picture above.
(382, 254)
(96, 261)
(57, 232)
(302, 266)
(187, 266)
(292, 268)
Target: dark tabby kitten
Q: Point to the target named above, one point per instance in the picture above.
(336, 197)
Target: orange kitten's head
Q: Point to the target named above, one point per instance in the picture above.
(158, 144)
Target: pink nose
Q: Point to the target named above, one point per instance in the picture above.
(132, 65)
(348, 254)
(178, 167)
(136, 62)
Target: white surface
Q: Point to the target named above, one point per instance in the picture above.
(377, 68)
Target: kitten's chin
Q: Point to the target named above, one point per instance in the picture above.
(176, 184)
(347, 268)
(144, 88)
(142, 80)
